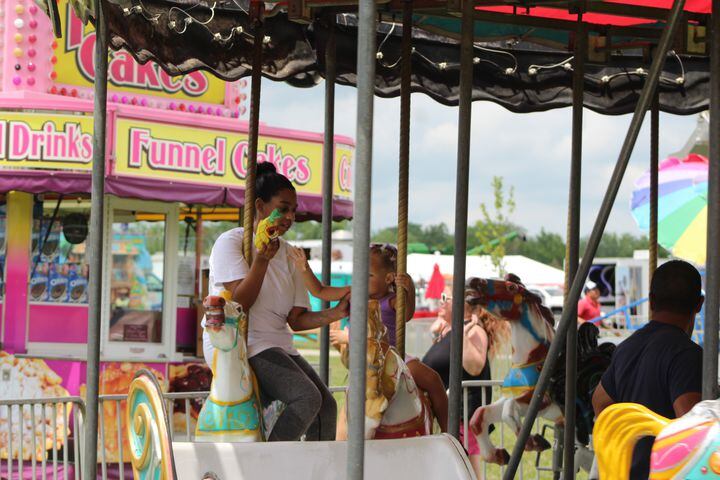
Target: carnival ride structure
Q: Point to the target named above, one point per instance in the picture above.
(607, 55)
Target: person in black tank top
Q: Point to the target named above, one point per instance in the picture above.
(483, 334)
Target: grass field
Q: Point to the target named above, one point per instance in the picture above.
(528, 470)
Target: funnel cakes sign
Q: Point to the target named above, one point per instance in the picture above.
(195, 155)
(75, 66)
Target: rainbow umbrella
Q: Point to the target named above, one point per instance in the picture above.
(682, 206)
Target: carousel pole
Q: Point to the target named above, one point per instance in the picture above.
(253, 134)
(613, 186)
(712, 268)
(572, 253)
(461, 213)
(198, 253)
(366, 50)
(327, 188)
(654, 162)
(404, 173)
(95, 244)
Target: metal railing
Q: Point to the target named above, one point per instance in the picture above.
(37, 438)
(52, 429)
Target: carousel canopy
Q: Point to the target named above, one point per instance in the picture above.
(522, 56)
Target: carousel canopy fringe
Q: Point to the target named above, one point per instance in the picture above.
(524, 68)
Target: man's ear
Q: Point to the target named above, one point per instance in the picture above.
(699, 305)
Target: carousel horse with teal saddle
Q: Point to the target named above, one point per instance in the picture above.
(532, 331)
(687, 448)
(232, 412)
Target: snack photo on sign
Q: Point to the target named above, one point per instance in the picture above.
(115, 380)
(192, 377)
(30, 379)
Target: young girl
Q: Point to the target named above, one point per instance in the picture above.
(382, 284)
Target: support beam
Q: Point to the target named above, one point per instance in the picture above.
(404, 172)
(654, 164)
(366, 49)
(712, 268)
(461, 212)
(327, 188)
(614, 185)
(572, 252)
(95, 244)
(253, 135)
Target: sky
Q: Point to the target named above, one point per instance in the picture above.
(530, 151)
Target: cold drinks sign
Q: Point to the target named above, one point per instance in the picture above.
(172, 152)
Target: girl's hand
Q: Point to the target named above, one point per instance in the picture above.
(342, 309)
(339, 337)
(297, 256)
(405, 282)
(268, 251)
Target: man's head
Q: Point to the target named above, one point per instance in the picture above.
(676, 289)
(592, 290)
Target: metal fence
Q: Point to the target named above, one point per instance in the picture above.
(44, 437)
(38, 440)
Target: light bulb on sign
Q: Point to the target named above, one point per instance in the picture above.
(19, 23)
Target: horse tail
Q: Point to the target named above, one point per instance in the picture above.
(617, 430)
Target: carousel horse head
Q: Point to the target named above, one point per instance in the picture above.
(687, 448)
(511, 301)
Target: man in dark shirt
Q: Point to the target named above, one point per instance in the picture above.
(659, 366)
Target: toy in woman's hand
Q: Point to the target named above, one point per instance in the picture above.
(214, 311)
(267, 230)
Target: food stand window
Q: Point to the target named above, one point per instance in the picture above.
(140, 294)
(58, 271)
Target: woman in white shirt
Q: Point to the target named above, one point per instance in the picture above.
(273, 293)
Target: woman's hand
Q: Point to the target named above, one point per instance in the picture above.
(297, 256)
(342, 309)
(339, 337)
(269, 250)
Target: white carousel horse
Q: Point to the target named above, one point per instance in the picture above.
(231, 413)
(394, 407)
(531, 334)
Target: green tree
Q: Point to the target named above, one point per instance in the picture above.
(545, 247)
(492, 231)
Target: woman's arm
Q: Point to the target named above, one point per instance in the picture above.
(314, 286)
(246, 291)
(301, 319)
(475, 346)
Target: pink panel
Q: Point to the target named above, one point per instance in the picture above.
(72, 372)
(58, 323)
(186, 327)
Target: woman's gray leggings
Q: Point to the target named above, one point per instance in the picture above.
(310, 408)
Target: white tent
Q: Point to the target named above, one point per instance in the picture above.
(420, 267)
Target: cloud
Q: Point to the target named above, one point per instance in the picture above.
(530, 151)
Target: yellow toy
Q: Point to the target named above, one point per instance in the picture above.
(267, 230)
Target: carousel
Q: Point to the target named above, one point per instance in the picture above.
(612, 56)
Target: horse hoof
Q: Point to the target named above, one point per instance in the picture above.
(537, 443)
(500, 456)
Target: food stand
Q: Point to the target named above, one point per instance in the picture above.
(177, 149)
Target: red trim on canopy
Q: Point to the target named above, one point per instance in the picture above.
(694, 6)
